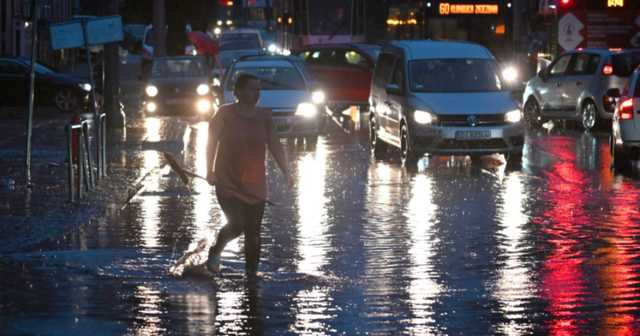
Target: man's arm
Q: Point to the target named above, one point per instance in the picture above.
(215, 125)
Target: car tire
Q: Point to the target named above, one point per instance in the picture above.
(66, 100)
(619, 156)
(514, 160)
(408, 155)
(311, 140)
(588, 115)
(532, 114)
(378, 148)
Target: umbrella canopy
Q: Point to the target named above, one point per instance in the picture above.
(204, 44)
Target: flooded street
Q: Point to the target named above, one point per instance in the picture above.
(356, 247)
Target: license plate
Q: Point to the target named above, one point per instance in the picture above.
(282, 126)
(472, 135)
(177, 101)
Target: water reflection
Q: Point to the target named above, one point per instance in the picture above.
(150, 209)
(311, 305)
(565, 225)
(515, 287)
(423, 289)
(148, 319)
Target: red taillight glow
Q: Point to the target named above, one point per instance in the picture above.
(607, 70)
(626, 109)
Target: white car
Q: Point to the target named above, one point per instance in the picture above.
(286, 90)
(625, 137)
(442, 98)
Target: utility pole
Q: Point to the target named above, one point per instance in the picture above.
(32, 82)
(111, 89)
(159, 28)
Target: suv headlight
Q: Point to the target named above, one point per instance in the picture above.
(513, 116)
(306, 110)
(423, 117)
(151, 90)
(202, 89)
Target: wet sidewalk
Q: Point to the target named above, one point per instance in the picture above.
(30, 216)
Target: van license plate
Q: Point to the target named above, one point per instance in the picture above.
(472, 135)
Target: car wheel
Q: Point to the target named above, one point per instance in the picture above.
(407, 153)
(619, 156)
(66, 100)
(378, 148)
(514, 160)
(311, 140)
(589, 115)
(532, 114)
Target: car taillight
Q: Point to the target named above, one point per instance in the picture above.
(625, 111)
(607, 70)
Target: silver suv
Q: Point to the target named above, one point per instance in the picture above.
(574, 86)
(442, 98)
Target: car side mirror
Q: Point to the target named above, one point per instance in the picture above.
(543, 74)
(393, 89)
(613, 93)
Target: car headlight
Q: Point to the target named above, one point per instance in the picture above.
(151, 107)
(317, 97)
(423, 117)
(513, 116)
(151, 90)
(202, 89)
(216, 81)
(272, 48)
(510, 74)
(203, 105)
(85, 86)
(306, 110)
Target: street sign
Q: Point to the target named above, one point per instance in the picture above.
(569, 35)
(66, 35)
(104, 30)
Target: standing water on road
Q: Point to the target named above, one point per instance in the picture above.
(356, 247)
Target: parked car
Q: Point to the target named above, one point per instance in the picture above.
(443, 98)
(286, 90)
(180, 84)
(574, 86)
(65, 92)
(625, 135)
(343, 70)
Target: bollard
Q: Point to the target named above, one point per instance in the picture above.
(70, 155)
(91, 182)
(104, 144)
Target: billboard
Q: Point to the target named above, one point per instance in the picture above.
(599, 29)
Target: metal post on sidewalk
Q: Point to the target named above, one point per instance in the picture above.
(91, 182)
(72, 194)
(103, 134)
(32, 80)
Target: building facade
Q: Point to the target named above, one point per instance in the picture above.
(16, 28)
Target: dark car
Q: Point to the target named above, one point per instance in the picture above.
(343, 71)
(179, 85)
(66, 93)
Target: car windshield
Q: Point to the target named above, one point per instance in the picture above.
(240, 44)
(454, 75)
(271, 78)
(624, 64)
(178, 68)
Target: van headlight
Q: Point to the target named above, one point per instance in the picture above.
(202, 89)
(423, 117)
(513, 116)
(317, 97)
(151, 90)
(307, 110)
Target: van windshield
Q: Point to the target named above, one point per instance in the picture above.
(454, 75)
